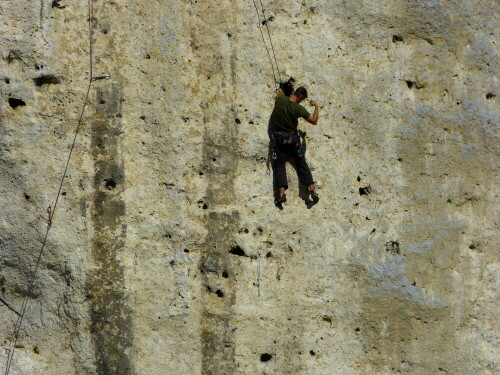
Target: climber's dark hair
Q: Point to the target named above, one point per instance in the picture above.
(300, 92)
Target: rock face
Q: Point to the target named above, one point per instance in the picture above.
(167, 254)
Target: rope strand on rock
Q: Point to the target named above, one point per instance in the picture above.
(264, 22)
(270, 39)
(31, 284)
(8, 306)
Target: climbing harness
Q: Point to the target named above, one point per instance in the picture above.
(51, 209)
(284, 138)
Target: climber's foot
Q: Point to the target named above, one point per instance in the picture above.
(314, 196)
(280, 199)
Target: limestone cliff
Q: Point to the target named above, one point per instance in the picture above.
(167, 254)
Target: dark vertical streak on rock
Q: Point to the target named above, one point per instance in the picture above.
(111, 317)
(41, 14)
(220, 158)
(218, 331)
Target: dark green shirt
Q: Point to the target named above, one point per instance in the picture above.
(285, 116)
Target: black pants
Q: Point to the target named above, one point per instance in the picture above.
(279, 165)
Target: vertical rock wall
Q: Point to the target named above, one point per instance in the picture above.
(167, 254)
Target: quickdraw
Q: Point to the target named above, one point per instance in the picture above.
(50, 211)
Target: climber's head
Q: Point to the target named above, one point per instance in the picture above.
(300, 93)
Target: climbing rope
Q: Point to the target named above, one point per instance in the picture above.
(8, 306)
(274, 64)
(52, 209)
(270, 39)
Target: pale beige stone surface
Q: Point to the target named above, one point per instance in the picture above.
(168, 183)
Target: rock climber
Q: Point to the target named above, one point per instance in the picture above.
(285, 140)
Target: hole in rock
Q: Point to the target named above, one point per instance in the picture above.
(214, 159)
(109, 184)
(225, 274)
(312, 352)
(200, 173)
(102, 102)
(143, 117)
(250, 122)
(6, 80)
(359, 179)
(186, 251)
(269, 255)
(397, 38)
(237, 251)
(104, 31)
(205, 206)
(266, 357)
(490, 95)
(13, 55)
(63, 193)
(46, 80)
(258, 231)
(55, 4)
(237, 120)
(26, 196)
(38, 67)
(357, 329)
(14, 103)
(219, 293)
(415, 84)
(392, 247)
(365, 190)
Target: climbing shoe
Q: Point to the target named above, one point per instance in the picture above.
(314, 197)
(280, 199)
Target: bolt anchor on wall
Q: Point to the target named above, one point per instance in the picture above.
(107, 76)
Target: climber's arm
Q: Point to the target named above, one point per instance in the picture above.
(313, 119)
